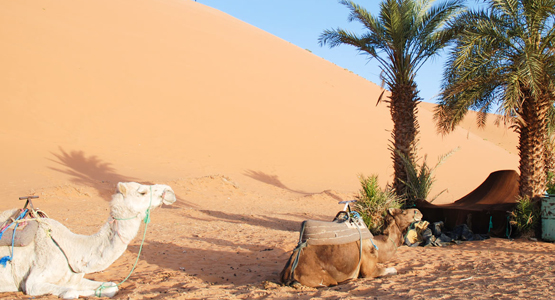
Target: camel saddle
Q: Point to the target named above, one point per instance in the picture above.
(24, 231)
(343, 229)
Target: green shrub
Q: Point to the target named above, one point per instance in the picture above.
(373, 202)
(550, 186)
(526, 216)
(420, 179)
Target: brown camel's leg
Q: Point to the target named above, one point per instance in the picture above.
(369, 267)
(313, 269)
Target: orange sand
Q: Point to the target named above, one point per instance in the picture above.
(253, 133)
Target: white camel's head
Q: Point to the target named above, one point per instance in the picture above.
(134, 198)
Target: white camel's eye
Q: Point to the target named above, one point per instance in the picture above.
(142, 191)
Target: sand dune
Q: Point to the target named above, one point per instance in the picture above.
(176, 89)
(254, 134)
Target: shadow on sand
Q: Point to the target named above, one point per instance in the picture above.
(263, 221)
(240, 266)
(245, 262)
(271, 180)
(90, 170)
(274, 180)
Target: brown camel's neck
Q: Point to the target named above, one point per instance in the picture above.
(391, 239)
(393, 232)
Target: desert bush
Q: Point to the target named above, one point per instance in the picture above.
(420, 179)
(550, 186)
(373, 202)
(526, 216)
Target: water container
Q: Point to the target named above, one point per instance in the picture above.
(548, 218)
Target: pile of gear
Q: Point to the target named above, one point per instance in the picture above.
(423, 234)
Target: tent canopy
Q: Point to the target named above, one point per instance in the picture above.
(485, 210)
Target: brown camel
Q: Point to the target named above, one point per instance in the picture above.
(326, 265)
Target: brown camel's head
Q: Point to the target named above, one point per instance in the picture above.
(405, 217)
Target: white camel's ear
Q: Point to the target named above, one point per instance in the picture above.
(169, 196)
(391, 211)
(122, 188)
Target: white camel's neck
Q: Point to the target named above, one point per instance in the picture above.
(95, 253)
(112, 241)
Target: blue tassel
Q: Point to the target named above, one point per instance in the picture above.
(4, 260)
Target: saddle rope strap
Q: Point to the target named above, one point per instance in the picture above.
(394, 245)
(360, 249)
(4, 260)
(300, 246)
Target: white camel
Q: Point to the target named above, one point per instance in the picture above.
(57, 260)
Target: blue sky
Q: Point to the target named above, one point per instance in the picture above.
(302, 21)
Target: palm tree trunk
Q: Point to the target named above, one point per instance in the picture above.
(549, 158)
(403, 106)
(532, 138)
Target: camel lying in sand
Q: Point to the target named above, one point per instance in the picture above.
(57, 259)
(326, 265)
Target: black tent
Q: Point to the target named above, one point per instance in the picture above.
(485, 210)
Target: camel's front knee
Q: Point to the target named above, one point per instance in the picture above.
(107, 289)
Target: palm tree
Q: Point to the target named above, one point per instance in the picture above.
(504, 57)
(404, 35)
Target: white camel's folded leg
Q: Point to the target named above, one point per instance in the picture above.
(84, 288)
(43, 288)
(7, 282)
(89, 288)
(6, 277)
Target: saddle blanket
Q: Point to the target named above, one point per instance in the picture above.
(333, 233)
(24, 234)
